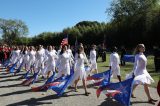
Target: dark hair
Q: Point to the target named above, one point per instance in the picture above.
(79, 50)
(62, 49)
(114, 49)
(49, 48)
(24, 49)
(39, 47)
(93, 47)
(31, 48)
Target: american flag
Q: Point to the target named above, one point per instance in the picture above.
(64, 41)
(100, 78)
(120, 91)
(108, 92)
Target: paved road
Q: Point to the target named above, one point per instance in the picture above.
(13, 94)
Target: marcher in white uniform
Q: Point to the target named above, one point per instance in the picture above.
(16, 55)
(53, 50)
(140, 72)
(114, 64)
(12, 56)
(39, 59)
(71, 55)
(93, 58)
(50, 63)
(21, 55)
(15, 58)
(80, 72)
(70, 51)
(32, 58)
(63, 62)
(58, 52)
(26, 58)
(75, 64)
(44, 56)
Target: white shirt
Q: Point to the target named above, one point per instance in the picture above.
(140, 64)
(114, 60)
(70, 52)
(26, 56)
(64, 59)
(40, 55)
(51, 57)
(32, 55)
(17, 53)
(80, 61)
(58, 52)
(93, 56)
(54, 51)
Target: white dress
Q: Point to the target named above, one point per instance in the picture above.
(16, 56)
(69, 51)
(58, 52)
(79, 67)
(54, 51)
(114, 63)
(140, 71)
(32, 58)
(39, 60)
(50, 63)
(12, 56)
(93, 59)
(63, 63)
(26, 59)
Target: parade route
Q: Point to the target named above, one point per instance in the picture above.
(12, 93)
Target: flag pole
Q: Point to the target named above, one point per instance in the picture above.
(67, 38)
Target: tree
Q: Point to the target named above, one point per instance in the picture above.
(12, 29)
(132, 20)
(87, 23)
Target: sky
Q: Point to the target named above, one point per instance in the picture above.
(54, 15)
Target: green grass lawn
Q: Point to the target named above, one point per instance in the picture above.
(102, 66)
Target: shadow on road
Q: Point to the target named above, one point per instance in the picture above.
(139, 102)
(30, 102)
(110, 102)
(14, 85)
(40, 101)
(9, 80)
(9, 75)
(17, 92)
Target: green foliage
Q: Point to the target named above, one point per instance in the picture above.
(87, 23)
(87, 32)
(12, 30)
(133, 22)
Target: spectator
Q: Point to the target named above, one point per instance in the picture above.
(123, 52)
(103, 53)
